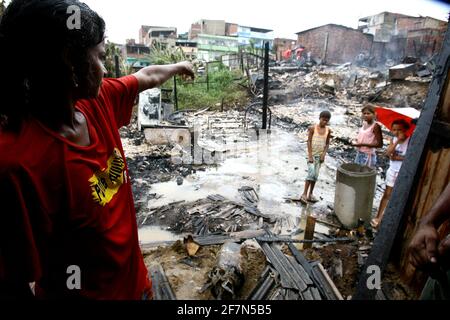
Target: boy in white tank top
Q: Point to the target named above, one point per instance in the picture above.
(318, 143)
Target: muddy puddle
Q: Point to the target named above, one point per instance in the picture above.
(151, 234)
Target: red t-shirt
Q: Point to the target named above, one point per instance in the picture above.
(65, 205)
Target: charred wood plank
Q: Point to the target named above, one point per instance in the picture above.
(161, 285)
(291, 240)
(308, 268)
(289, 277)
(265, 284)
(331, 292)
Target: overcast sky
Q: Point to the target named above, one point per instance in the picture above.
(124, 17)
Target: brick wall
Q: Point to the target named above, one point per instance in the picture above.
(196, 29)
(406, 24)
(343, 44)
(424, 43)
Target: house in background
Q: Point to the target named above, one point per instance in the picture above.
(382, 26)
(204, 26)
(256, 37)
(212, 47)
(153, 35)
(397, 35)
(246, 36)
(188, 47)
(136, 54)
(334, 43)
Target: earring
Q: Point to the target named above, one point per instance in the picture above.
(75, 82)
(74, 78)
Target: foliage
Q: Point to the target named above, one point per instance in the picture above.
(111, 51)
(160, 55)
(223, 88)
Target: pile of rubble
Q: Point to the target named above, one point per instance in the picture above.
(345, 82)
(212, 215)
(286, 273)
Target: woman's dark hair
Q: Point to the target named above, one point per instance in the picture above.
(401, 122)
(43, 56)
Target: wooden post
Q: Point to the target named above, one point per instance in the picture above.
(207, 76)
(266, 86)
(175, 92)
(309, 231)
(325, 49)
(241, 56)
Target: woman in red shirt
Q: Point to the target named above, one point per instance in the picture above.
(68, 218)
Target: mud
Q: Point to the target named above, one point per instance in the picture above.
(341, 263)
(187, 280)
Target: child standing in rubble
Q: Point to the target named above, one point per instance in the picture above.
(369, 138)
(318, 142)
(396, 152)
(68, 228)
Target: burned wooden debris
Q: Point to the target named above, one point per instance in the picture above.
(288, 239)
(226, 278)
(249, 196)
(266, 283)
(292, 278)
(319, 276)
(160, 284)
(210, 216)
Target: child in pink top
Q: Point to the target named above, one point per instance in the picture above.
(369, 138)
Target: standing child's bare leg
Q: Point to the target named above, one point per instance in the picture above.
(304, 196)
(311, 190)
(383, 204)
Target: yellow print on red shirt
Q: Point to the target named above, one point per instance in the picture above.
(107, 182)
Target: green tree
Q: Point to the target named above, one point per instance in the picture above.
(160, 55)
(111, 51)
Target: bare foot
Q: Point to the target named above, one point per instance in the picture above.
(313, 199)
(374, 223)
(303, 199)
